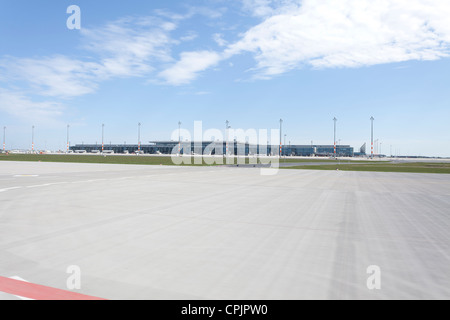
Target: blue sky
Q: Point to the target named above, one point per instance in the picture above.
(251, 62)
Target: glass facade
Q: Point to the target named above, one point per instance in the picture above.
(219, 148)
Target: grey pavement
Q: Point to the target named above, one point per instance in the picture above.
(154, 232)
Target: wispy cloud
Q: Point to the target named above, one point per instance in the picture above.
(56, 76)
(218, 38)
(265, 8)
(21, 106)
(192, 11)
(347, 33)
(291, 34)
(190, 35)
(295, 34)
(189, 66)
(130, 46)
(202, 93)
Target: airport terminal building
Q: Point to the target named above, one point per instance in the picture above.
(216, 148)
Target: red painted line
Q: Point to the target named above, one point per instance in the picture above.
(39, 292)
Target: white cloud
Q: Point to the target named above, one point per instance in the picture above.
(218, 38)
(189, 66)
(21, 106)
(191, 12)
(54, 76)
(258, 7)
(345, 33)
(202, 93)
(190, 35)
(205, 11)
(292, 34)
(265, 8)
(130, 46)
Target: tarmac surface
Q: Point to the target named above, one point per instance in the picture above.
(154, 232)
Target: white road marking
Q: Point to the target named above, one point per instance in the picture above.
(57, 183)
(38, 186)
(25, 175)
(80, 182)
(8, 189)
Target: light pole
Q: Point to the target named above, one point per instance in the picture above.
(335, 121)
(4, 139)
(32, 139)
(281, 135)
(139, 138)
(68, 143)
(179, 138)
(371, 137)
(103, 137)
(227, 124)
